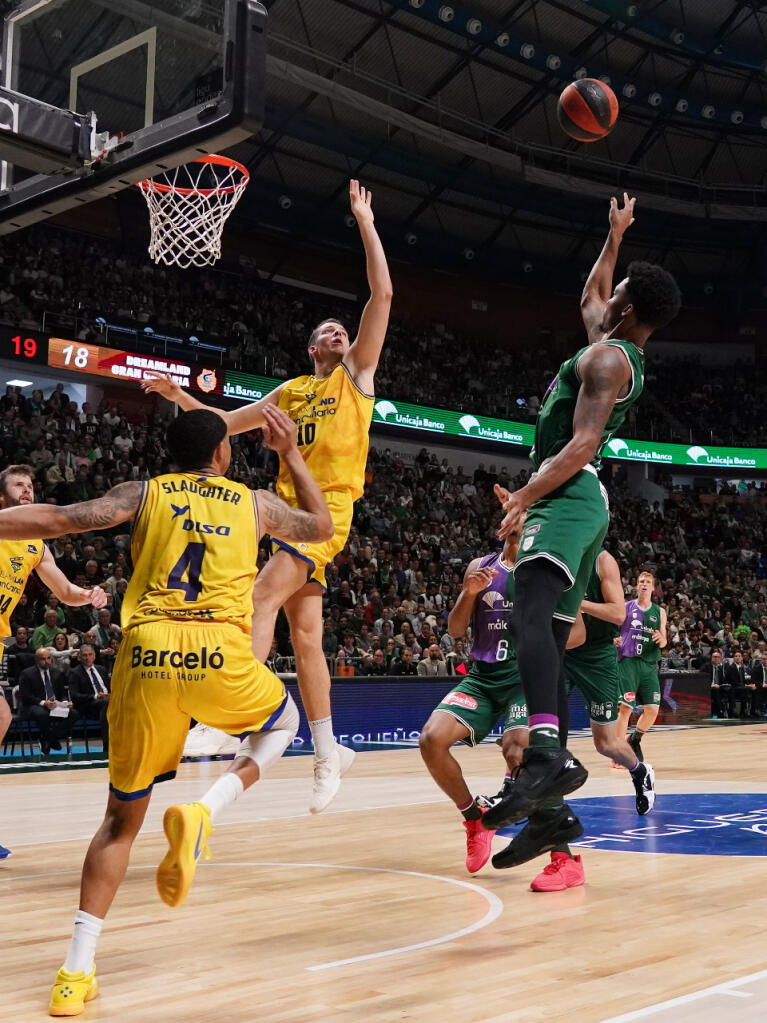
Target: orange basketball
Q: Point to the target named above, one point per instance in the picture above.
(587, 110)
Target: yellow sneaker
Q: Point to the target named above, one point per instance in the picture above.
(187, 828)
(71, 991)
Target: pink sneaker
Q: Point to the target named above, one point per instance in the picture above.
(563, 872)
(479, 843)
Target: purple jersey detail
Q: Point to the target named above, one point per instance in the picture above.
(489, 622)
(632, 631)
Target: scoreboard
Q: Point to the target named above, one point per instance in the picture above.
(32, 348)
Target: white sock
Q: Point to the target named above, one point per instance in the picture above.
(223, 792)
(322, 736)
(82, 947)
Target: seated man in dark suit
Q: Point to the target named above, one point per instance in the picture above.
(89, 689)
(720, 688)
(739, 677)
(39, 689)
(759, 679)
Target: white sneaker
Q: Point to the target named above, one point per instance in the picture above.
(328, 772)
(204, 741)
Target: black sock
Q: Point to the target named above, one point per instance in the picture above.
(471, 812)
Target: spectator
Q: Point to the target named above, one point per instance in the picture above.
(44, 634)
(404, 664)
(375, 664)
(89, 689)
(433, 663)
(41, 688)
(20, 654)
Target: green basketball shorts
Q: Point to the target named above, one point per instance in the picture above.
(484, 697)
(640, 685)
(593, 670)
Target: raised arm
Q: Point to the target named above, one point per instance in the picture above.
(362, 358)
(604, 372)
(599, 285)
(311, 521)
(614, 608)
(475, 579)
(248, 417)
(48, 520)
(65, 590)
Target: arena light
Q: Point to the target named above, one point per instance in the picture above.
(708, 111)
(632, 10)
(527, 50)
(349, 220)
(503, 39)
(629, 90)
(473, 26)
(527, 267)
(553, 62)
(681, 106)
(677, 37)
(285, 202)
(655, 99)
(417, 4)
(737, 117)
(19, 383)
(149, 330)
(606, 79)
(708, 288)
(411, 238)
(468, 254)
(446, 13)
(581, 72)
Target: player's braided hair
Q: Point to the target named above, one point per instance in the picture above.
(654, 294)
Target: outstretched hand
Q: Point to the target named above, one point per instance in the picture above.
(161, 383)
(280, 432)
(477, 580)
(622, 217)
(361, 199)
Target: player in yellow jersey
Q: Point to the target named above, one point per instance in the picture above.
(18, 560)
(332, 408)
(185, 652)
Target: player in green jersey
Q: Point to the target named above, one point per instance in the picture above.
(566, 506)
(642, 637)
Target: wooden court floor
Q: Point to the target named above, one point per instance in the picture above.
(366, 913)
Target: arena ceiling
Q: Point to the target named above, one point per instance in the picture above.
(449, 112)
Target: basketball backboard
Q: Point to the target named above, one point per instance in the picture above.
(174, 79)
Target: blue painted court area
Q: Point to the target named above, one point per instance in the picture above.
(694, 824)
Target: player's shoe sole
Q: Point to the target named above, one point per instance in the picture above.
(644, 786)
(539, 836)
(187, 828)
(545, 775)
(328, 772)
(71, 991)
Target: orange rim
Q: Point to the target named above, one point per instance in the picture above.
(148, 184)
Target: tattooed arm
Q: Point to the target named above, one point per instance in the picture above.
(281, 521)
(604, 373)
(47, 520)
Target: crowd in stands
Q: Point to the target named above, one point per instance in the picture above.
(265, 327)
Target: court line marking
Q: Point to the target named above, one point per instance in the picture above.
(495, 905)
(694, 996)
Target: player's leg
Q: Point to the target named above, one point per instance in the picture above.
(648, 697)
(103, 870)
(465, 715)
(5, 724)
(331, 761)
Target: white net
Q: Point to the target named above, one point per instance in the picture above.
(188, 207)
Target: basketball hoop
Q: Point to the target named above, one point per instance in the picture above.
(188, 207)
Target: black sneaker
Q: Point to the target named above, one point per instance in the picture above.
(635, 742)
(546, 774)
(487, 801)
(644, 786)
(541, 834)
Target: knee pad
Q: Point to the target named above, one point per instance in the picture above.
(265, 748)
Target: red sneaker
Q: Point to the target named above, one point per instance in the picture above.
(563, 872)
(479, 844)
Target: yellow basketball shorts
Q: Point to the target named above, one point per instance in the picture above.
(318, 555)
(165, 674)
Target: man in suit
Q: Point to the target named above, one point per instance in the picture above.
(89, 689)
(720, 688)
(739, 677)
(759, 679)
(39, 689)
(433, 663)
